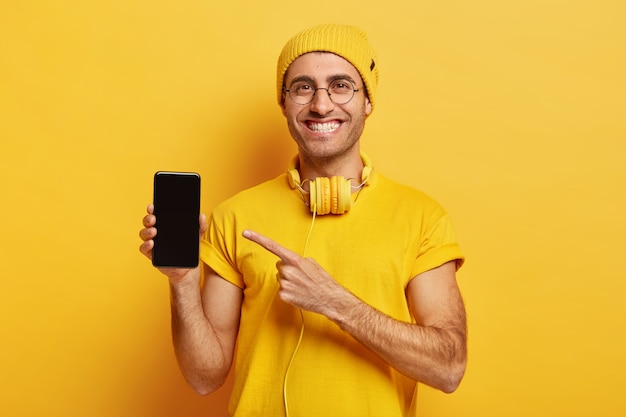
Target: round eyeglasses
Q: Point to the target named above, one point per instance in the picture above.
(339, 91)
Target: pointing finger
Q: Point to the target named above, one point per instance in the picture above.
(283, 253)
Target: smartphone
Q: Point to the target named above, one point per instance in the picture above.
(177, 209)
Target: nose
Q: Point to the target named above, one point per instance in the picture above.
(322, 104)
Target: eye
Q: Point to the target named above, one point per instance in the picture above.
(302, 89)
(341, 87)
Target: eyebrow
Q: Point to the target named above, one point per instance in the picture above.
(330, 79)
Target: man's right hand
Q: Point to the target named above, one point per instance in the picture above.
(148, 233)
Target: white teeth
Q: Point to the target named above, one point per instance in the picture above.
(324, 127)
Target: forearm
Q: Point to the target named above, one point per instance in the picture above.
(433, 350)
(433, 355)
(201, 357)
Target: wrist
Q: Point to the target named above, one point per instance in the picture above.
(344, 309)
(184, 283)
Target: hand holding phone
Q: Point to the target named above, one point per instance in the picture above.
(177, 210)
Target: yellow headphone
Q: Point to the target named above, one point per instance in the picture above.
(329, 195)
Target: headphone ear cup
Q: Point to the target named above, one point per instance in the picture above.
(345, 196)
(340, 195)
(323, 195)
(334, 195)
(330, 195)
(319, 196)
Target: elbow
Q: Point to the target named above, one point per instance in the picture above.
(205, 388)
(454, 370)
(445, 378)
(206, 378)
(450, 386)
(205, 383)
(452, 378)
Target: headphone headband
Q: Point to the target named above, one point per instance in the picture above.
(294, 175)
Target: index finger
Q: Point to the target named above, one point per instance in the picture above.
(283, 253)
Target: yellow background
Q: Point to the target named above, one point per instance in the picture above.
(510, 113)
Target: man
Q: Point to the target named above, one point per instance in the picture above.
(333, 315)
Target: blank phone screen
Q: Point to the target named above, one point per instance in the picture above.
(177, 208)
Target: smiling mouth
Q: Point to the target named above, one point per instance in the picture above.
(324, 127)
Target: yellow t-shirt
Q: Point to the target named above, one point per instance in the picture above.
(391, 234)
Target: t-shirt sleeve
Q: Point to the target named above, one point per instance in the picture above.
(218, 246)
(438, 244)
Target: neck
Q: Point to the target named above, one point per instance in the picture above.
(348, 165)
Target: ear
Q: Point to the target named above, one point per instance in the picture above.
(368, 106)
(282, 103)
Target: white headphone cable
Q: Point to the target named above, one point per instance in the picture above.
(295, 351)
